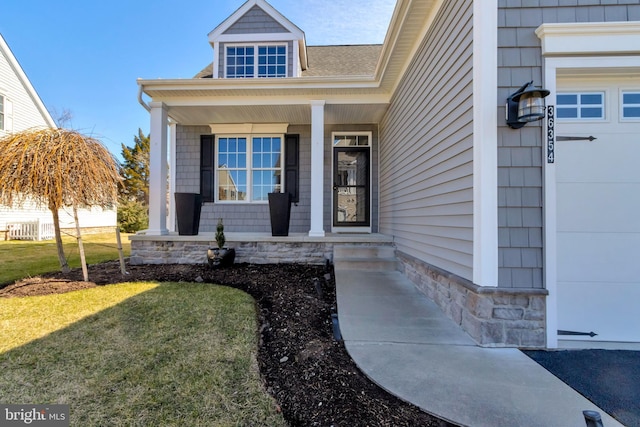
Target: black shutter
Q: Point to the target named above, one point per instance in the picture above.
(292, 166)
(207, 167)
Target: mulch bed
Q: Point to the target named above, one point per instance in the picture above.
(309, 373)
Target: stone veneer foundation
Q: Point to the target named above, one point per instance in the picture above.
(493, 317)
(250, 248)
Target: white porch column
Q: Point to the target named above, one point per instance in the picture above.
(172, 183)
(317, 169)
(158, 171)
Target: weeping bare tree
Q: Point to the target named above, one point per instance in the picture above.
(57, 168)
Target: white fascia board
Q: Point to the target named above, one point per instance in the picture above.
(260, 84)
(229, 101)
(602, 38)
(15, 65)
(394, 33)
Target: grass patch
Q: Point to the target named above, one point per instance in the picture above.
(141, 354)
(20, 259)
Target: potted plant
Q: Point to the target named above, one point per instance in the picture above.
(220, 256)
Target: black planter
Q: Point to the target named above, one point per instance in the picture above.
(188, 207)
(219, 258)
(280, 211)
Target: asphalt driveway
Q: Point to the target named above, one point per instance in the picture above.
(608, 378)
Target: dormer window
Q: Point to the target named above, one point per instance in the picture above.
(256, 60)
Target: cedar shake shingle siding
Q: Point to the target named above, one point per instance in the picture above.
(256, 21)
(426, 153)
(520, 153)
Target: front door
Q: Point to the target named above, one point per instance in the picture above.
(351, 184)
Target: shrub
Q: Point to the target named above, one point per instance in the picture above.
(132, 216)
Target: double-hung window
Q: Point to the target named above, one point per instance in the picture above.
(247, 61)
(248, 167)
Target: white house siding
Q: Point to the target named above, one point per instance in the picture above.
(25, 113)
(520, 153)
(30, 212)
(426, 153)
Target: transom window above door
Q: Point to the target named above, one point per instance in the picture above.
(248, 61)
(580, 106)
(351, 140)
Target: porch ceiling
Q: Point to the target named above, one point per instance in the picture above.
(292, 114)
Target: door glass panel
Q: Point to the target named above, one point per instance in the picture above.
(351, 190)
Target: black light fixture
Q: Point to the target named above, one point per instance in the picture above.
(526, 105)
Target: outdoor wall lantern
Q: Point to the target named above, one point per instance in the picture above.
(525, 105)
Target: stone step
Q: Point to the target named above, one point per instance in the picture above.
(356, 251)
(368, 258)
(366, 264)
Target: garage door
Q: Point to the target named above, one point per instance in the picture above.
(598, 207)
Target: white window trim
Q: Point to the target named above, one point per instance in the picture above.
(7, 112)
(249, 169)
(256, 45)
(605, 111)
(2, 112)
(622, 105)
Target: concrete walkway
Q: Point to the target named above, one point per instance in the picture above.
(404, 343)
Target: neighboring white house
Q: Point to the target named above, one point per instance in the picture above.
(21, 108)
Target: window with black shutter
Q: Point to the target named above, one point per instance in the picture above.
(292, 166)
(207, 167)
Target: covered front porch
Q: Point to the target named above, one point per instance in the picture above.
(254, 248)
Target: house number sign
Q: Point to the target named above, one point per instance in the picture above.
(551, 134)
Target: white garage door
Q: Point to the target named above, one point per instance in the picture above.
(598, 202)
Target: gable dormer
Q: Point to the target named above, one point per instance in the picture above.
(258, 41)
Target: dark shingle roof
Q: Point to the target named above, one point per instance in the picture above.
(332, 61)
(353, 60)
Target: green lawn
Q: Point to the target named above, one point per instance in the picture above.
(20, 259)
(137, 354)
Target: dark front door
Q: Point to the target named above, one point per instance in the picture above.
(351, 187)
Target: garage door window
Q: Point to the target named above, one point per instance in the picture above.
(580, 106)
(631, 105)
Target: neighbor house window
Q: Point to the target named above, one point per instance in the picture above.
(2, 112)
(248, 167)
(249, 61)
(580, 106)
(631, 105)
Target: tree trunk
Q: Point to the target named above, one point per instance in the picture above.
(64, 267)
(83, 260)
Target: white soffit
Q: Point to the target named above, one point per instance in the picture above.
(590, 38)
